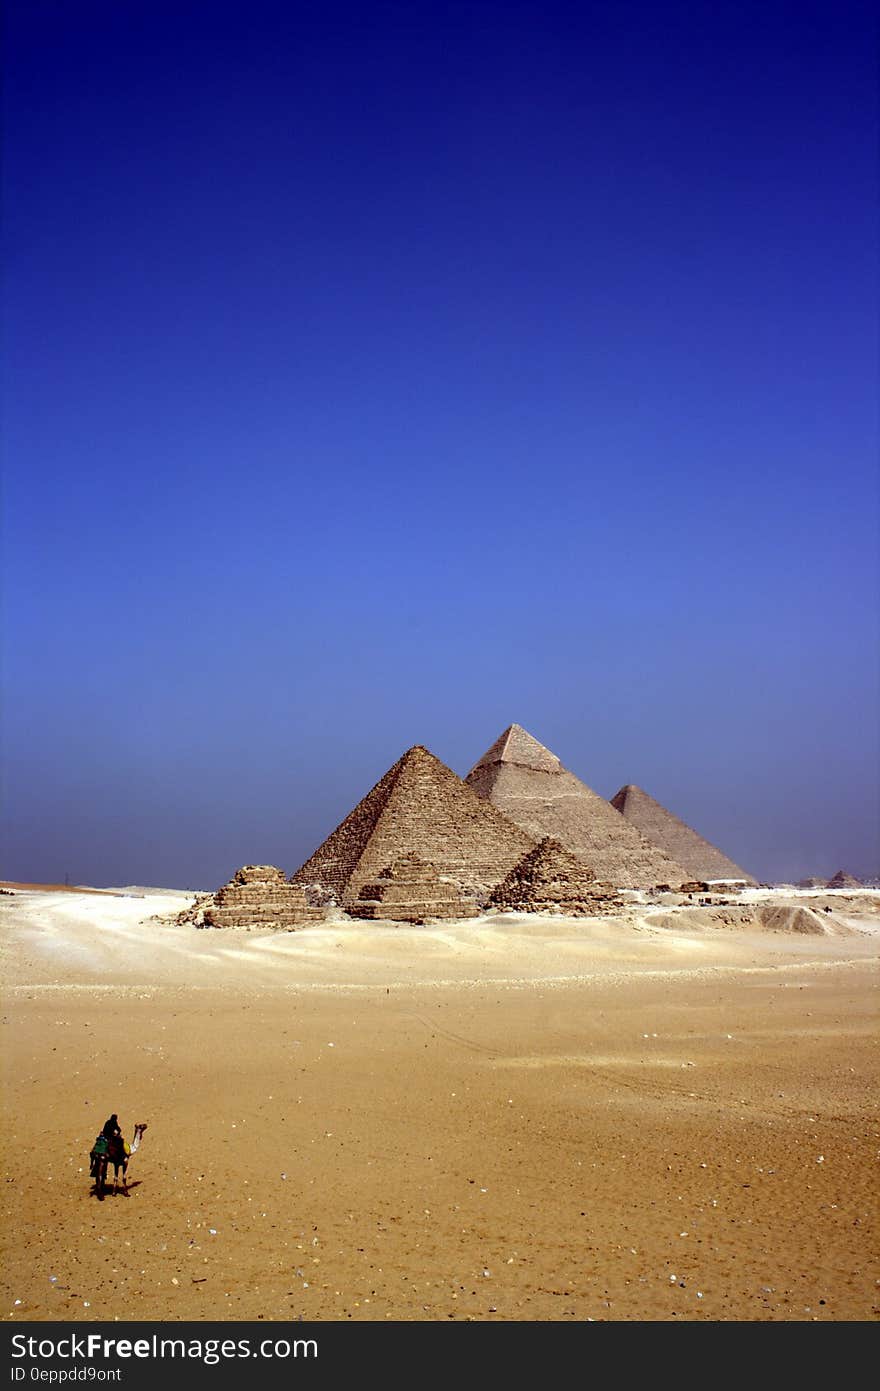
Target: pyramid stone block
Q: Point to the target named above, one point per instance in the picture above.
(528, 783)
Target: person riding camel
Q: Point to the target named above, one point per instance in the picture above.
(106, 1140)
(111, 1127)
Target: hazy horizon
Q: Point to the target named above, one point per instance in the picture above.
(384, 375)
(214, 874)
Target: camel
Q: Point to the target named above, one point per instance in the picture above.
(116, 1155)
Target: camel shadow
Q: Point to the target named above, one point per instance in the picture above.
(110, 1192)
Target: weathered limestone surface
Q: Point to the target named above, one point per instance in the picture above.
(420, 806)
(549, 879)
(528, 783)
(701, 859)
(256, 896)
(411, 890)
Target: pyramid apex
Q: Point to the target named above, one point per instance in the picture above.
(629, 791)
(417, 753)
(516, 745)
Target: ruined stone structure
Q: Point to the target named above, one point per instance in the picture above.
(701, 859)
(549, 879)
(256, 896)
(842, 880)
(420, 806)
(812, 883)
(411, 891)
(529, 784)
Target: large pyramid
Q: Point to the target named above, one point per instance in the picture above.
(701, 859)
(529, 784)
(420, 806)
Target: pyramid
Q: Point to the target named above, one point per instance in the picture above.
(420, 806)
(550, 879)
(529, 784)
(701, 859)
(842, 880)
(256, 896)
(412, 891)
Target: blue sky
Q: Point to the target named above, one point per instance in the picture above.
(380, 375)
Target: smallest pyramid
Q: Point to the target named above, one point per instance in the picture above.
(700, 858)
(812, 883)
(256, 896)
(411, 890)
(842, 880)
(550, 879)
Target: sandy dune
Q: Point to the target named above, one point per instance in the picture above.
(665, 1115)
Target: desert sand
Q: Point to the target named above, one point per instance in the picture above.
(660, 1116)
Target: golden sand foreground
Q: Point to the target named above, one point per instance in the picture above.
(505, 1119)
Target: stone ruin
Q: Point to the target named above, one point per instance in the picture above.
(549, 879)
(256, 896)
(411, 890)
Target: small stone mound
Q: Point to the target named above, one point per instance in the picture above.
(411, 890)
(797, 919)
(256, 896)
(842, 880)
(550, 879)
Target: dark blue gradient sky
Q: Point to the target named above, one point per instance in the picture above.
(383, 374)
